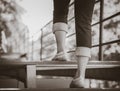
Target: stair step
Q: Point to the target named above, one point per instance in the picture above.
(62, 89)
(26, 71)
(95, 69)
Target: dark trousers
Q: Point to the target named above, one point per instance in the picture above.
(83, 17)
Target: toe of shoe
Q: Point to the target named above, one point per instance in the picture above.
(77, 85)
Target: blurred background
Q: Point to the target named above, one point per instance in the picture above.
(26, 27)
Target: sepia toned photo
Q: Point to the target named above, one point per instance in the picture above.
(59, 45)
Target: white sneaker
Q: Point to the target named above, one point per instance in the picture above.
(77, 83)
(62, 56)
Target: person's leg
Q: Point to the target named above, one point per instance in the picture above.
(60, 35)
(83, 17)
(60, 27)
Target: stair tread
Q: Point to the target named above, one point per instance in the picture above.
(69, 64)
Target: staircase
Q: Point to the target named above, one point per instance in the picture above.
(27, 72)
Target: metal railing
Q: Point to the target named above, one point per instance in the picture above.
(32, 49)
(100, 22)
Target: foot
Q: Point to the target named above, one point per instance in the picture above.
(60, 57)
(77, 83)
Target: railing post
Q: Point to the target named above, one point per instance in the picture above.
(101, 29)
(41, 42)
(32, 49)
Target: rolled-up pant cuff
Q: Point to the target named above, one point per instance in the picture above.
(83, 51)
(60, 26)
